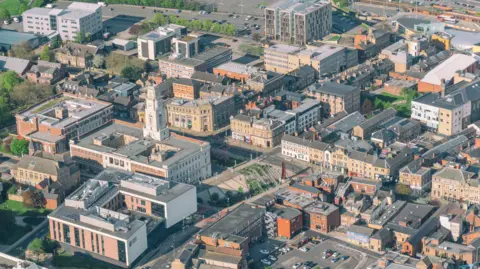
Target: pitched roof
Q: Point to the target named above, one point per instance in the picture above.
(41, 165)
(455, 174)
(15, 64)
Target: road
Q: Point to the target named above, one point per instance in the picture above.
(20, 246)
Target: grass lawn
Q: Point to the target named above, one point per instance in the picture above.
(66, 260)
(11, 5)
(386, 97)
(404, 110)
(20, 210)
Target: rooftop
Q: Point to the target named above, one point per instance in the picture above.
(282, 48)
(446, 70)
(295, 198)
(14, 38)
(332, 88)
(413, 215)
(347, 123)
(321, 208)
(297, 6)
(237, 68)
(75, 108)
(211, 100)
(230, 226)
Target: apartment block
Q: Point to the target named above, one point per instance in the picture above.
(335, 98)
(52, 123)
(207, 114)
(304, 149)
(159, 41)
(447, 115)
(398, 53)
(324, 59)
(76, 18)
(188, 89)
(296, 22)
(94, 218)
(264, 133)
(365, 129)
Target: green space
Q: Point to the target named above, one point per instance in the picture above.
(66, 260)
(20, 210)
(334, 38)
(12, 6)
(49, 104)
(386, 100)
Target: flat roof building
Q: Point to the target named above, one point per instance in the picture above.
(158, 41)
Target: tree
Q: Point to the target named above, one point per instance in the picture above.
(214, 197)
(23, 50)
(19, 146)
(4, 14)
(179, 4)
(99, 61)
(29, 93)
(403, 189)
(207, 25)
(216, 28)
(133, 73)
(5, 115)
(159, 19)
(33, 199)
(80, 38)
(38, 3)
(240, 189)
(256, 37)
(36, 246)
(22, 8)
(9, 80)
(46, 54)
(135, 29)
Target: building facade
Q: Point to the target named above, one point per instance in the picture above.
(298, 22)
(263, 133)
(335, 98)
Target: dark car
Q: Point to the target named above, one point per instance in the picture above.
(345, 258)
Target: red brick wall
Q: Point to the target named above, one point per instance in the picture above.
(133, 203)
(427, 87)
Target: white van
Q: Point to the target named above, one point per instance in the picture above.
(49, 6)
(16, 19)
(103, 4)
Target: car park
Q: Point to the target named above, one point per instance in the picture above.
(304, 249)
(334, 260)
(271, 257)
(345, 258)
(297, 265)
(336, 254)
(264, 251)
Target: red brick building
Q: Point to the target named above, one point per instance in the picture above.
(322, 217)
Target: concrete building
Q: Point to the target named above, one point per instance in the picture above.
(186, 46)
(324, 59)
(236, 71)
(335, 98)
(200, 115)
(93, 218)
(151, 149)
(52, 123)
(77, 18)
(178, 66)
(283, 222)
(159, 41)
(265, 133)
(298, 22)
(443, 75)
(399, 55)
(447, 115)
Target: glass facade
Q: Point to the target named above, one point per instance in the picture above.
(66, 233)
(158, 210)
(77, 237)
(122, 252)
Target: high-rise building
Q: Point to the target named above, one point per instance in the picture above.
(298, 22)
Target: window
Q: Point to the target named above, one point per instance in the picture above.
(121, 251)
(77, 237)
(66, 233)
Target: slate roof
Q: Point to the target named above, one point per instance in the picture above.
(41, 165)
(18, 65)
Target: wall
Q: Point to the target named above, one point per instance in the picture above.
(138, 245)
(181, 207)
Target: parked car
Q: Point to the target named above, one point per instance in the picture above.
(6, 22)
(336, 254)
(334, 260)
(264, 251)
(304, 249)
(272, 258)
(297, 265)
(16, 19)
(345, 258)
(266, 262)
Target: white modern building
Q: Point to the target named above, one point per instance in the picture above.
(159, 41)
(307, 114)
(78, 17)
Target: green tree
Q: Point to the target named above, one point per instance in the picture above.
(216, 28)
(179, 4)
(29, 93)
(9, 80)
(36, 246)
(80, 38)
(378, 103)
(403, 189)
(19, 146)
(133, 73)
(46, 54)
(33, 199)
(240, 189)
(159, 19)
(4, 14)
(99, 61)
(5, 115)
(22, 8)
(207, 25)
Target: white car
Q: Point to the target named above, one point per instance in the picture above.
(248, 18)
(16, 19)
(265, 261)
(6, 22)
(297, 265)
(336, 254)
(303, 249)
(272, 258)
(264, 251)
